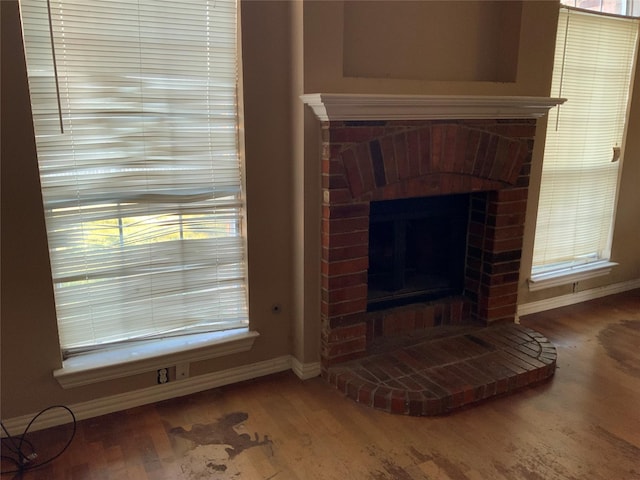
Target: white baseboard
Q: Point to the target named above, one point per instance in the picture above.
(578, 297)
(157, 393)
(305, 371)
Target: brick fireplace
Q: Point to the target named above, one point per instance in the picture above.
(379, 148)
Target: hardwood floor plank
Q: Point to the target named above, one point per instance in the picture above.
(584, 423)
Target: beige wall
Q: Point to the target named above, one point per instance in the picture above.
(300, 49)
(480, 38)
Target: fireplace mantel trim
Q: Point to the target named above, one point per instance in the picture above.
(353, 107)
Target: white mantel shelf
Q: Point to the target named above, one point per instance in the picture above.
(341, 106)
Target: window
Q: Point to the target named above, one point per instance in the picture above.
(593, 67)
(136, 120)
(630, 8)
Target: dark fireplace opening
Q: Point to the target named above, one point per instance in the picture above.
(417, 250)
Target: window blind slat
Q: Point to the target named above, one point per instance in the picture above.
(142, 191)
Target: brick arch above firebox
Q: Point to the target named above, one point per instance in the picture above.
(393, 161)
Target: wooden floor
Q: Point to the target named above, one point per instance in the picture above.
(583, 424)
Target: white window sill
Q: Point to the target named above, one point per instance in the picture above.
(568, 276)
(150, 356)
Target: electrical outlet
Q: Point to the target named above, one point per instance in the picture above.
(163, 375)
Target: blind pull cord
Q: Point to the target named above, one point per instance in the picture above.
(564, 56)
(55, 65)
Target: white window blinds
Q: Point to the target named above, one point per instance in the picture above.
(135, 113)
(593, 66)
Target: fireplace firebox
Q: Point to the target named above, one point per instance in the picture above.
(417, 249)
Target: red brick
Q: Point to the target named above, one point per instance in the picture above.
(478, 228)
(508, 220)
(507, 207)
(456, 313)
(502, 312)
(347, 307)
(389, 159)
(489, 156)
(428, 316)
(341, 381)
(351, 134)
(482, 184)
(521, 167)
(352, 210)
(400, 147)
(494, 302)
(516, 159)
(481, 154)
(506, 245)
(344, 320)
(356, 292)
(456, 148)
(399, 321)
(476, 241)
(508, 232)
(366, 393)
(352, 169)
(425, 150)
(399, 404)
(333, 166)
(413, 153)
(449, 154)
(343, 348)
(341, 359)
(334, 182)
(528, 361)
(325, 166)
(382, 398)
(335, 149)
(438, 143)
(498, 290)
(363, 156)
(390, 192)
(504, 267)
(345, 253)
(473, 140)
(342, 281)
(345, 267)
(345, 225)
(353, 387)
(503, 161)
(336, 196)
(415, 402)
(514, 131)
(509, 195)
(347, 239)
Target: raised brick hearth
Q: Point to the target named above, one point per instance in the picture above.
(430, 146)
(440, 370)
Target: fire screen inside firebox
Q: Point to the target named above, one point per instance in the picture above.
(417, 250)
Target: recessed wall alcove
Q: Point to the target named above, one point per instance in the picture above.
(400, 148)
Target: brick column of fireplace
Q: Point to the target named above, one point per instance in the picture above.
(372, 160)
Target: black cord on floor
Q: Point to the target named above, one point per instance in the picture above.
(16, 445)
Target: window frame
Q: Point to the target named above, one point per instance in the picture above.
(118, 360)
(564, 273)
